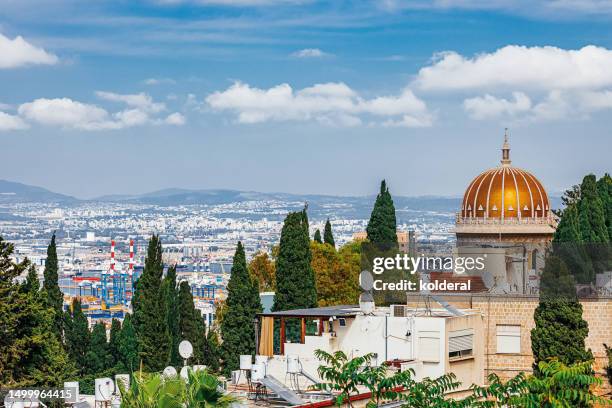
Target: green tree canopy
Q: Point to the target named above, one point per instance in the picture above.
(328, 237)
(149, 305)
(242, 305)
(295, 283)
(317, 236)
(128, 345)
(54, 295)
(190, 322)
(77, 336)
(171, 295)
(382, 226)
(31, 353)
(98, 356)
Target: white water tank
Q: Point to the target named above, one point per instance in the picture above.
(73, 387)
(246, 362)
(293, 364)
(124, 380)
(258, 372)
(104, 388)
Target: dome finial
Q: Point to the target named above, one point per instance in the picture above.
(505, 161)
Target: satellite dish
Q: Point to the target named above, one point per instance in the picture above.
(185, 349)
(366, 281)
(185, 373)
(169, 372)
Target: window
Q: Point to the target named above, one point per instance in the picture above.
(460, 343)
(534, 259)
(508, 339)
(429, 347)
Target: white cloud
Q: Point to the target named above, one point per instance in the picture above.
(141, 101)
(541, 68)
(488, 106)
(159, 81)
(329, 103)
(236, 3)
(175, 118)
(18, 52)
(11, 122)
(64, 112)
(71, 114)
(309, 53)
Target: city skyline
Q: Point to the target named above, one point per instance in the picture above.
(305, 97)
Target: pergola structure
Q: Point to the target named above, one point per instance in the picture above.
(265, 321)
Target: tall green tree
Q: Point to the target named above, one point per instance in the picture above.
(31, 284)
(190, 324)
(560, 331)
(328, 237)
(128, 345)
(172, 314)
(77, 336)
(212, 356)
(382, 226)
(114, 343)
(604, 187)
(317, 236)
(592, 214)
(295, 282)
(242, 305)
(31, 354)
(97, 356)
(54, 295)
(149, 306)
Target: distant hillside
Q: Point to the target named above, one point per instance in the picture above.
(18, 192)
(317, 204)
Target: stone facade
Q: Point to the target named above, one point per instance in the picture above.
(518, 310)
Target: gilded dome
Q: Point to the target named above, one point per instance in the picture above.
(505, 192)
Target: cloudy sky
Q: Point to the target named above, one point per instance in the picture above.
(301, 96)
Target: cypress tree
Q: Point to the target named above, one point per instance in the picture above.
(54, 295)
(212, 356)
(128, 345)
(328, 237)
(317, 236)
(31, 354)
(190, 322)
(113, 343)
(149, 305)
(592, 214)
(171, 295)
(382, 226)
(242, 305)
(604, 188)
(295, 282)
(31, 284)
(97, 355)
(77, 336)
(560, 331)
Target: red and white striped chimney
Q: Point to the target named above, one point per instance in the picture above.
(112, 261)
(131, 267)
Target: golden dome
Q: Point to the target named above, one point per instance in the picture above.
(505, 192)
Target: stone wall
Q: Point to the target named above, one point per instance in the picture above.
(518, 310)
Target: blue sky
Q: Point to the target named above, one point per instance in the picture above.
(328, 97)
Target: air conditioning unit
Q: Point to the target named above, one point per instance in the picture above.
(398, 310)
